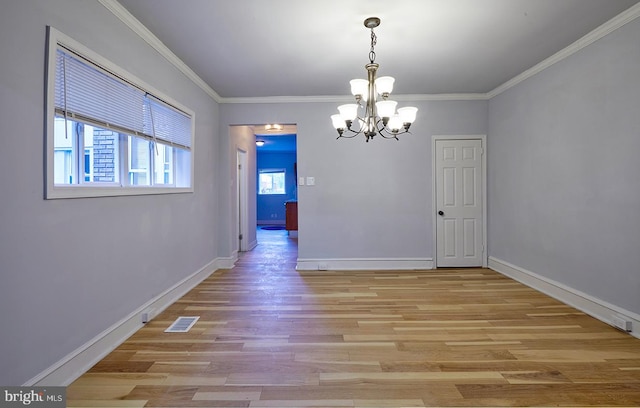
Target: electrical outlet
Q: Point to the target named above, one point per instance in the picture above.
(622, 324)
(146, 316)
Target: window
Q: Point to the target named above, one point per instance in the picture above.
(99, 162)
(107, 132)
(271, 181)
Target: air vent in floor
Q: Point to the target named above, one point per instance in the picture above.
(182, 324)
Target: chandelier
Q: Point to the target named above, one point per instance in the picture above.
(379, 116)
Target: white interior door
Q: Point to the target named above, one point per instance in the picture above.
(459, 203)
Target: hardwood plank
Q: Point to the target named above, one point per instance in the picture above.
(388, 403)
(475, 377)
(97, 379)
(76, 391)
(271, 336)
(303, 403)
(436, 393)
(78, 403)
(227, 396)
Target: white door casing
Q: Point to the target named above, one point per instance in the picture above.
(459, 199)
(241, 200)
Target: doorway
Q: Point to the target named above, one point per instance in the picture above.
(277, 190)
(459, 201)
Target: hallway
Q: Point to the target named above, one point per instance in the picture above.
(275, 247)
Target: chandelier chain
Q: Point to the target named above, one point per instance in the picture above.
(372, 53)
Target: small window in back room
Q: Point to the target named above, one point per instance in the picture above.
(271, 181)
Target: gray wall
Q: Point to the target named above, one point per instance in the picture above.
(564, 173)
(70, 269)
(371, 200)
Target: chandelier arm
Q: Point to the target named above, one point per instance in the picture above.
(343, 136)
(382, 131)
(354, 133)
(349, 133)
(385, 133)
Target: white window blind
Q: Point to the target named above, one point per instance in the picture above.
(86, 92)
(169, 125)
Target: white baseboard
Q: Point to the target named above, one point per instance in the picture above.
(76, 363)
(371, 264)
(227, 262)
(597, 308)
(270, 222)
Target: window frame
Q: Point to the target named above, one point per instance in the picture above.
(56, 39)
(273, 171)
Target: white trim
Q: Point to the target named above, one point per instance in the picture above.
(345, 98)
(588, 304)
(74, 364)
(227, 262)
(252, 245)
(242, 198)
(483, 139)
(371, 264)
(233, 259)
(615, 23)
(143, 32)
(91, 191)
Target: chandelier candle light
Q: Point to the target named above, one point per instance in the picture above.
(380, 116)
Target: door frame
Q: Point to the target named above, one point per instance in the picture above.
(242, 196)
(483, 139)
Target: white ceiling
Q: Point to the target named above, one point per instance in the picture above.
(265, 48)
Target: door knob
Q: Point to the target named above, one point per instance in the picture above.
(440, 212)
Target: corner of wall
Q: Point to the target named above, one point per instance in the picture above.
(76, 363)
(596, 308)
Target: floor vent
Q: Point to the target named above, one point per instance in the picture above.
(182, 324)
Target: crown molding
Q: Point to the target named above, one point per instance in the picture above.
(615, 23)
(286, 99)
(143, 32)
(134, 24)
(443, 97)
(349, 99)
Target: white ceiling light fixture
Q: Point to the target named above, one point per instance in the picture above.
(259, 143)
(380, 116)
(273, 127)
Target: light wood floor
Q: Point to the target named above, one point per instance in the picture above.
(270, 336)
